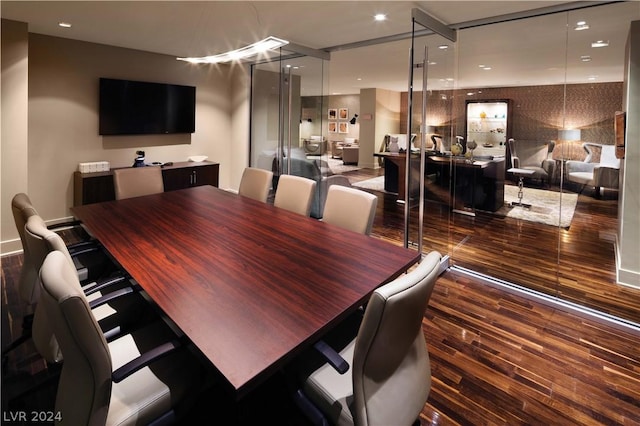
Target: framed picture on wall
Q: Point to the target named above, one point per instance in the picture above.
(333, 127)
(343, 127)
(333, 114)
(343, 113)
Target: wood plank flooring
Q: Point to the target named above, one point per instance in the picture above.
(496, 358)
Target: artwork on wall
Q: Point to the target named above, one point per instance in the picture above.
(333, 127)
(343, 113)
(333, 114)
(343, 127)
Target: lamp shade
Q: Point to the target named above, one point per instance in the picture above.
(569, 134)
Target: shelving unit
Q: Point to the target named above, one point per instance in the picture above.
(487, 123)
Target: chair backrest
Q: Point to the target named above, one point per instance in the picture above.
(84, 389)
(391, 372)
(42, 241)
(437, 142)
(255, 183)
(28, 286)
(137, 181)
(295, 193)
(608, 157)
(350, 208)
(513, 155)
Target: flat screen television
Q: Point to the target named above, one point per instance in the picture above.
(138, 108)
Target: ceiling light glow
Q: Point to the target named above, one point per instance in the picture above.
(600, 43)
(443, 47)
(585, 58)
(380, 17)
(254, 49)
(64, 24)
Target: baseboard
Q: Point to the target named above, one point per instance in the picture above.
(625, 277)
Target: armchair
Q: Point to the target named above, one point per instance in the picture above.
(383, 376)
(602, 172)
(142, 377)
(536, 157)
(315, 145)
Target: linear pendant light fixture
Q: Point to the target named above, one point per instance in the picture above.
(254, 49)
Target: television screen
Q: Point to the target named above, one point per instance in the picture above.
(136, 108)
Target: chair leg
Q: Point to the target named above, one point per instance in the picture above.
(309, 409)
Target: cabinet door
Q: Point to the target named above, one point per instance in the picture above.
(206, 175)
(185, 177)
(178, 178)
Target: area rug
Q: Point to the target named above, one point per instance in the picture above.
(335, 164)
(545, 205)
(375, 184)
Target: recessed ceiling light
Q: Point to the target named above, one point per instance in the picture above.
(64, 24)
(581, 25)
(486, 68)
(432, 63)
(380, 17)
(585, 58)
(470, 93)
(600, 43)
(592, 77)
(443, 47)
(480, 66)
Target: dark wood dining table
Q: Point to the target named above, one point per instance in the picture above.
(251, 285)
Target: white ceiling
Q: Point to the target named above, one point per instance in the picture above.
(521, 52)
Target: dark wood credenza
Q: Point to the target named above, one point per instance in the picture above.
(96, 187)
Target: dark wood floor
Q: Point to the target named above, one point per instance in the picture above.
(496, 358)
(575, 264)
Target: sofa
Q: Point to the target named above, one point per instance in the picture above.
(600, 169)
(315, 145)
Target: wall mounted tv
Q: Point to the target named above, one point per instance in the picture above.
(139, 108)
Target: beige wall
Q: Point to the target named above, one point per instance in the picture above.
(13, 148)
(628, 255)
(62, 123)
(380, 115)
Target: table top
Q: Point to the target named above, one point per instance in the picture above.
(251, 285)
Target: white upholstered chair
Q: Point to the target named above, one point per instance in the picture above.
(255, 183)
(603, 173)
(87, 257)
(350, 208)
(137, 181)
(536, 157)
(389, 378)
(295, 193)
(40, 241)
(101, 383)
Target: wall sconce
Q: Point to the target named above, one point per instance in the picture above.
(353, 120)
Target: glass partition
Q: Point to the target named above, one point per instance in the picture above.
(288, 127)
(506, 192)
